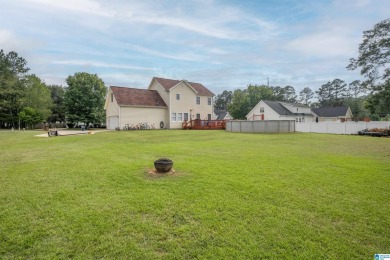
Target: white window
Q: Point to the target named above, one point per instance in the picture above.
(300, 120)
(261, 109)
(197, 116)
(296, 119)
(179, 117)
(177, 96)
(174, 117)
(198, 100)
(185, 116)
(209, 101)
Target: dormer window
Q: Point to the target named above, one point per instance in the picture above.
(177, 96)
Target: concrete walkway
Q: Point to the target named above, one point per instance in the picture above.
(63, 132)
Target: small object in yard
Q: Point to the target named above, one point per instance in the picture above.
(375, 132)
(163, 165)
(52, 133)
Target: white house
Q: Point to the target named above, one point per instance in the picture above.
(222, 115)
(329, 114)
(278, 110)
(166, 104)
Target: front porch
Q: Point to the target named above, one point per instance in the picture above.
(199, 124)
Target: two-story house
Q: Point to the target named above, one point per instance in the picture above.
(166, 103)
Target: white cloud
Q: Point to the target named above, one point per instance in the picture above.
(98, 64)
(323, 44)
(77, 6)
(5, 37)
(184, 56)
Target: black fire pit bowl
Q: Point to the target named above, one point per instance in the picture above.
(163, 165)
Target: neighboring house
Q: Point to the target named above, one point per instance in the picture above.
(326, 114)
(278, 110)
(222, 115)
(168, 101)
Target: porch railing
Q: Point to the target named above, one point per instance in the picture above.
(204, 124)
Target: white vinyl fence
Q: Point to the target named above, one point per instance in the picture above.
(260, 126)
(337, 127)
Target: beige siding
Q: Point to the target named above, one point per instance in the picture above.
(136, 115)
(163, 93)
(187, 104)
(112, 110)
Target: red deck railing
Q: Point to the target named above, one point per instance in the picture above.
(204, 124)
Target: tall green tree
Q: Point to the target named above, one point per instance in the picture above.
(355, 99)
(306, 95)
(38, 96)
(223, 100)
(378, 102)
(355, 89)
(278, 92)
(239, 107)
(58, 110)
(84, 98)
(289, 94)
(332, 93)
(284, 94)
(256, 93)
(244, 100)
(13, 70)
(324, 94)
(373, 61)
(30, 116)
(374, 54)
(339, 91)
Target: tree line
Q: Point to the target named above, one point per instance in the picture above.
(331, 94)
(26, 100)
(370, 97)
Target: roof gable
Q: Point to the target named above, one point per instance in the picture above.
(168, 84)
(221, 114)
(278, 107)
(331, 111)
(137, 97)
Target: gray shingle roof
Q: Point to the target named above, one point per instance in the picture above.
(277, 107)
(330, 111)
(220, 113)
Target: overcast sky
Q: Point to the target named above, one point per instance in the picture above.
(224, 45)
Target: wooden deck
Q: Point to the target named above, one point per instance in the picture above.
(198, 124)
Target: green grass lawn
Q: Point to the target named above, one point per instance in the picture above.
(232, 196)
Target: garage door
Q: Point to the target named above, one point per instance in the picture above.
(113, 122)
